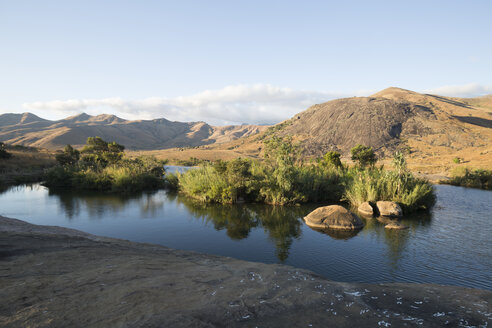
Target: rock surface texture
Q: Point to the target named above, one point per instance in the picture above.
(390, 209)
(366, 209)
(56, 277)
(333, 217)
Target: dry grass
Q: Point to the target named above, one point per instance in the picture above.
(25, 165)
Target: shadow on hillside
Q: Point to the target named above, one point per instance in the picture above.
(475, 121)
(449, 101)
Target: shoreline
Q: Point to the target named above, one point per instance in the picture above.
(59, 277)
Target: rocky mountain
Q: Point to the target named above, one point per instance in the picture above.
(30, 130)
(390, 119)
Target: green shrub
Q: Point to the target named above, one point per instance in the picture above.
(363, 155)
(222, 182)
(332, 158)
(227, 182)
(69, 156)
(472, 178)
(98, 152)
(102, 167)
(4, 154)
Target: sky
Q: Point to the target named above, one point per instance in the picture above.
(233, 62)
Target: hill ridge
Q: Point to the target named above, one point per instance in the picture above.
(25, 129)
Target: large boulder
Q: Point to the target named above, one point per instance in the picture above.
(390, 209)
(333, 217)
(366, 209)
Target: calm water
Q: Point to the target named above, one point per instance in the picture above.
(452, 245)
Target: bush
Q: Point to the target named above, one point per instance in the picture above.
(98, 152)
(227, 182)
(70, 156)
(471, 178)
(103, 168)
(222, 182)
(4, 154)
(332, 158)
(363, 155)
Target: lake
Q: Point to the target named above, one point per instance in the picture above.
(450, 245)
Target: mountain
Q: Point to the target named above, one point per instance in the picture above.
(29, 130)
(388, 120)
(13, 119)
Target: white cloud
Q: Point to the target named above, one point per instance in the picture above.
(464, 90)
(236, 104)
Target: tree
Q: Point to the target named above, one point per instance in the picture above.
(282, 150)
(99, 152)
(363, 155)
(3, 152)
(332, 158)
(70, 156)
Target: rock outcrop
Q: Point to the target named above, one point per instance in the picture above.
(333, 217)
(389, 209)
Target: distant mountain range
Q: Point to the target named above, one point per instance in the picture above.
(30, 130)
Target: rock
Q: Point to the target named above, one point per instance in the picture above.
(333, 217)
(390, 209)
(395, 226)
(366, 209)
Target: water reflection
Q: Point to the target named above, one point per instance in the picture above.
(281, 224)
(98, 205)
(338, 234)
(397, 240)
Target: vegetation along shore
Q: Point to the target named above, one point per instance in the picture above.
(284, 178)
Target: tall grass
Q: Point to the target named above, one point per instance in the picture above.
(241, 179)
(377, 184)
(264, 182)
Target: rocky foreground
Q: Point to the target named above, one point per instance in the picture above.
(57, 277)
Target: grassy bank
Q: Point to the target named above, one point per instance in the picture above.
(24, 164)
(283, 178)
(101, 166)
(471, 178)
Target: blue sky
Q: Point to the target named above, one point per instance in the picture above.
(234, 61)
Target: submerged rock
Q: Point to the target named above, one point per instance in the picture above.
(333, 217)
(387, 208)
(366, 209)
(395, 226)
